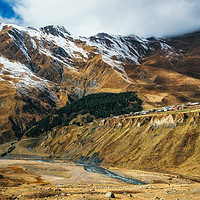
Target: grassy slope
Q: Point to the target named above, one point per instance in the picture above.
(168, 142)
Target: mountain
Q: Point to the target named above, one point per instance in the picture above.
(43, 69)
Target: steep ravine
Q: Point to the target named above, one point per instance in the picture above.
(169, 142)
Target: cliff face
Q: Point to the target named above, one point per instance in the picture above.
(159, 142)
(42, 69)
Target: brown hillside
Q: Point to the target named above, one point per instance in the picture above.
(41, 70)
(159, 142)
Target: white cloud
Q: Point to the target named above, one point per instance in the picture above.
(88, 17)
(9, 21)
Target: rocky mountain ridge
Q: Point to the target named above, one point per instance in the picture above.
(43, 69)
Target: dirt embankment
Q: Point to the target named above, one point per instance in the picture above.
(163, 142)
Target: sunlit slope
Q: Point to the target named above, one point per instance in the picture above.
(43, 69)
(168, 142)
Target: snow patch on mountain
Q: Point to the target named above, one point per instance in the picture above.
(23, 79)
(62, 61)
(165, 46)
(55, 31)
(1, 26)
(116, 47)
(21, 73)
(33, 44)
(117, 66)
(69, 47)
(33, 32)
(18, 38)
(64, 42)
(75, 49)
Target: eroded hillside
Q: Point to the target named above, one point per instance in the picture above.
(157, 142)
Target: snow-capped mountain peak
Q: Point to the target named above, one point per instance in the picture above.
(55, 30)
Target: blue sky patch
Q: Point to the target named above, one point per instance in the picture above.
(6, 10)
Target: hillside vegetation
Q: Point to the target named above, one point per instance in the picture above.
(169, 142)
(97, 105)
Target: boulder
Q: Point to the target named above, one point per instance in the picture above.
(110, 195)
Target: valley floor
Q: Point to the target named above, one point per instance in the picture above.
(26, 179)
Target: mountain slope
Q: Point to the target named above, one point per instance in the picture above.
(88, 108)
(42, 69)
(169, 142)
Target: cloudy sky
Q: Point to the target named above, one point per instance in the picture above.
(88, 17)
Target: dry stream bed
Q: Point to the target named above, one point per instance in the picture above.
(26, 179)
